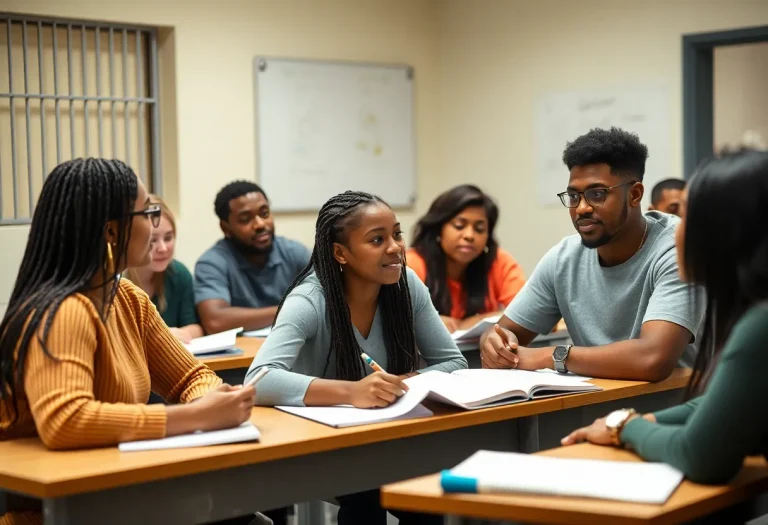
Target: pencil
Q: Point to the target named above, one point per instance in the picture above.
(373, 364)
(259, 375)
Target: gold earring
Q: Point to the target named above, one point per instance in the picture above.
(109, 264)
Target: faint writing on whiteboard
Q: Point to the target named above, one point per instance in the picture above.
(562, 117)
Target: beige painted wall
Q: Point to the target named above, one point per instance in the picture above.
(480, 65)
(497, 56)
(215, 44)
(741, 92)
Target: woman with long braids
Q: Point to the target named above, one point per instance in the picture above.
(455, 253)
(356, 295)
(79, 347)
(724, 250)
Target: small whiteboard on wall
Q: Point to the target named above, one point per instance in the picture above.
(562, 117)
(326, 127)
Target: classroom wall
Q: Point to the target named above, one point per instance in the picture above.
(215, 43)
(497, 56)
(480, 66)
(741, 92)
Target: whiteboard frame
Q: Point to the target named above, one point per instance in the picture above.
(409, 71)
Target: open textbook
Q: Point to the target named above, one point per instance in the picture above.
(488, 472)
(467, 389)
(221, 343)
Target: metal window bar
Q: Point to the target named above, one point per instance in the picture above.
(144, 104)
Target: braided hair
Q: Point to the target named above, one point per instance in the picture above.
(336, 218)
(65, 254)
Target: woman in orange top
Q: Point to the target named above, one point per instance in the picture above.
(454, 252)
(80, 348)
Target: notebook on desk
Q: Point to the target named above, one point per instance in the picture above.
(490, 472)
(482, 388)
(210, 345)
(245, 432)
(407, 407)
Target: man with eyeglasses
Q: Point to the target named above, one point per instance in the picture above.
(615, 283)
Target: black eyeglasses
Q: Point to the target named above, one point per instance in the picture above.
(153, 212)
(593, 196)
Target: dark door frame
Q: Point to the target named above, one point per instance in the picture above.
(698, 88)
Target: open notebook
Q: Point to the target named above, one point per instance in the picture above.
(215, 344)
(482, 388)
(487, 471)
(407, 407)
(245, 432)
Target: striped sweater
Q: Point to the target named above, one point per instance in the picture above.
(93, 390)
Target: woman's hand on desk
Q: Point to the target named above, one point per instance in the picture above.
(376, 390)
(598, 432)
(225, 407)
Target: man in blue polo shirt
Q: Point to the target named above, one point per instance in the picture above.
(240, 280)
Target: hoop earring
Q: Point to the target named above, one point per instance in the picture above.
(109, 264)
(341, 268)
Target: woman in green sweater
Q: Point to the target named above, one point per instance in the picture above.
(167, 281)
(722, 245)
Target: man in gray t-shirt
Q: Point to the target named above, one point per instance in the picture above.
(615, 284)
(241, 279)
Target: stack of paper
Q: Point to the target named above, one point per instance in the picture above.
(245, 432)
(487, 471)
(223, 342)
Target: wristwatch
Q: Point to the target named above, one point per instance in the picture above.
(616, 421)
(559, 356)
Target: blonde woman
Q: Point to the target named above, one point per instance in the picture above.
(167, 281)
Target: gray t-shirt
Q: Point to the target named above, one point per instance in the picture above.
(603, 305)
(224, 273)
(297, 349)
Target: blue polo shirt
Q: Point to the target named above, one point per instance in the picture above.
(224, 273)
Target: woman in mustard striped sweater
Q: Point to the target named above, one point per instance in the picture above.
(80, 349)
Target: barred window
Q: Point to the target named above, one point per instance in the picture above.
(73, 89)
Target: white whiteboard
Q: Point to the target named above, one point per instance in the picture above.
(562, 117)
(326, 127)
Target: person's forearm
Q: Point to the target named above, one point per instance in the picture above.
(181, 419)
(328, 392)
(631, 360)
(194, 330)
(230, 317)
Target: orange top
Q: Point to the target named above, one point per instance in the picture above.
(505, 279)
(93, 391)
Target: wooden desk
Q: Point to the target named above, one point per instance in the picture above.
(690, 501)
(296, 460)
(249, 346)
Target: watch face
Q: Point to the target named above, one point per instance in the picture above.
(560, 353)
(615, 418)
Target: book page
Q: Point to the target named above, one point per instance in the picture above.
(467, 392)
(408, 406)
